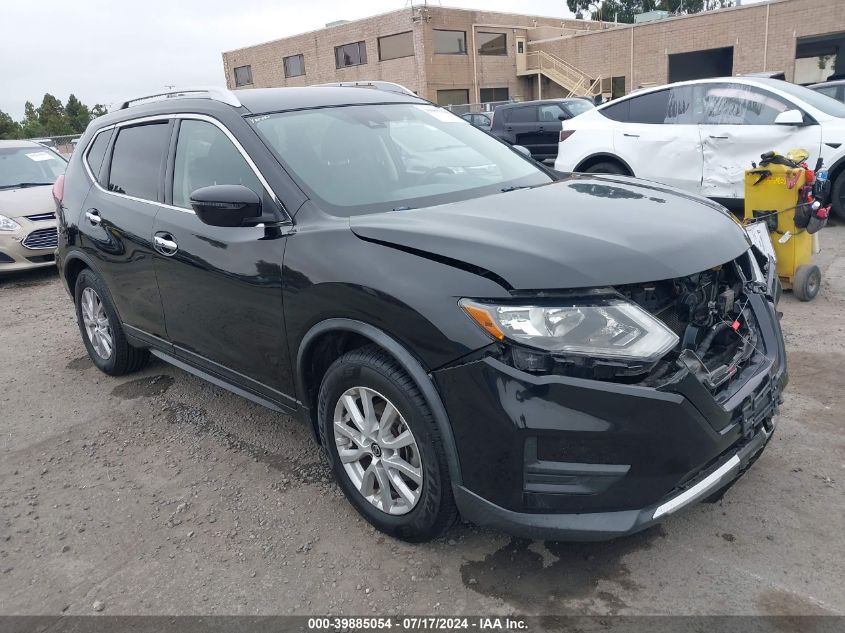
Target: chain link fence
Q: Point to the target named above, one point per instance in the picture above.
(466, 108)
(64, 144)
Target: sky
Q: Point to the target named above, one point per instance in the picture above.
(106, 51)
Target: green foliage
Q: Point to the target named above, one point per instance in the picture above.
(625, 10)
(51, 118)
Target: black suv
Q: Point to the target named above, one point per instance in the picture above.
(536, 125)
(560, 356)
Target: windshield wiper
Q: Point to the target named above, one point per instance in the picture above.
(23, 185)
(514, 188)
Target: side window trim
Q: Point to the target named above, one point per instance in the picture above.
(169, 176)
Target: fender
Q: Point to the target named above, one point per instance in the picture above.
(408, 362)
(607, 155)
(75, 255)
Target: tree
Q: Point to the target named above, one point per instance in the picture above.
(9, 128)
(51, 116)
(77, 114)
(98, 110)
(625, 10)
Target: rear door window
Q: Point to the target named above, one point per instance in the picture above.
(527, 114)
(137, 159)
(649, 108)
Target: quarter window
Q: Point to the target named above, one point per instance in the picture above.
(649, 108)
(97, 152)
(294, 65)
(450, 42)
(243, 76)
(492, 43)
(137, 160)
(205, 156)
(396, 46)
(354, 54)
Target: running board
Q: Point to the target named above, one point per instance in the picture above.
(214, 380)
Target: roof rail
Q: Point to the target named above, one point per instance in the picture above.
(386, 86)
(216, 94)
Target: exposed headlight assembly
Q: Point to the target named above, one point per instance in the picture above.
(603, 329)
(8, 224)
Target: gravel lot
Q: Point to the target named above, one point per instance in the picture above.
(160, 494)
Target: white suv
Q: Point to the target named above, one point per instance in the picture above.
(701, 135)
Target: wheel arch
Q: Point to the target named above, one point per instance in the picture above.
(73, 264)
(329, 339)
(602, 157)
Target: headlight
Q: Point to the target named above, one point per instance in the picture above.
(8, 224)
(610, 329)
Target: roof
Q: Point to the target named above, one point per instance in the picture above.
(259, 100)
(19, 143)
(822, 84)
(535, 101)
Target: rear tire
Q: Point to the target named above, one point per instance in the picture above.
(417, 494)
(807, 281)
(837, 196)
(101, 329)
(607, 167)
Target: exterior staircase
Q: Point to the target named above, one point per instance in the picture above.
(575, 81)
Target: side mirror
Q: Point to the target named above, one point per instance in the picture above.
(790, 117)
(227, 205)
(563, 117)
(522, 150)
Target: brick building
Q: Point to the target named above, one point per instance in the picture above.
(465, 56)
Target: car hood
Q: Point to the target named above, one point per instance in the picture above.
(583, 231)
(16, 203)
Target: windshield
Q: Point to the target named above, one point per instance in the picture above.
(29, 166)
(370, 158)
(828, 105)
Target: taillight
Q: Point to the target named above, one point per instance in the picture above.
(59, 189)
(565, 134)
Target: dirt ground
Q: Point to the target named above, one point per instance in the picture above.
(158, 493)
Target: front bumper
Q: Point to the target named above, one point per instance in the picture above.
(32, 246)
(555, 457)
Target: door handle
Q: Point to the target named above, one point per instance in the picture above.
(509, 128)
(630, 135)
(541, 129)
(93, 216)
(721, 137)
(165, 244)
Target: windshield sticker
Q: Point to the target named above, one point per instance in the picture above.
(442, 115)
(39, 156)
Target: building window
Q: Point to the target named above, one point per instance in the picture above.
(354, 54)
(489, 95)
(243, 76)
(492, 43)
(294, 65)
(452, 97)
(450, 42)
(396, 46)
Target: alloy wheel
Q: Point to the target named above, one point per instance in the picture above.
(378, 451)
(96, 323)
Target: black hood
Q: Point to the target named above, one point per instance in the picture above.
(583, 231)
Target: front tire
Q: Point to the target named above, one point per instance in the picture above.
(384, 446)
(101, 329)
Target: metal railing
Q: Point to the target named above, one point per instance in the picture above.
(562, 72)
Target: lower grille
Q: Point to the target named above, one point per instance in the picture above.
(5, 259)
(42, 259)
(42, 239)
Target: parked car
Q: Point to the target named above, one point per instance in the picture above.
(27, 210)
(536, 125)
(478, 119)
(539, 353)
(832, 89)
(702, 135)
